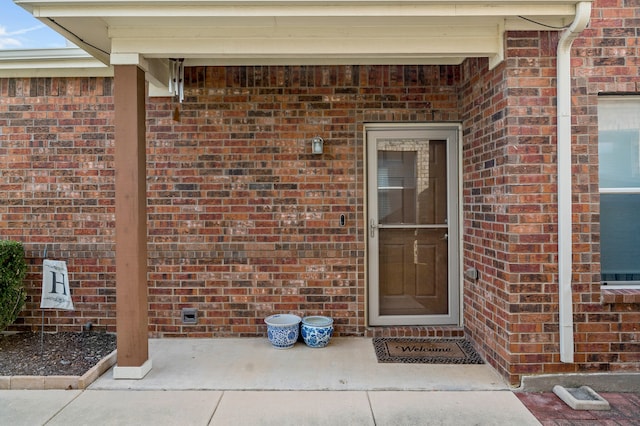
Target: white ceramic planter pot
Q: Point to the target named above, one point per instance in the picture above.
(283, 330)
(317, 331)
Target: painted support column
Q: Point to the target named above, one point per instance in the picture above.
(131, 224)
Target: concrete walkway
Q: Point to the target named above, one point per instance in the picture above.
(247, 382)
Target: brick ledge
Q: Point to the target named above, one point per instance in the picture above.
(627, 295)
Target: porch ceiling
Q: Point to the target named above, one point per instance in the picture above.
(255, 32)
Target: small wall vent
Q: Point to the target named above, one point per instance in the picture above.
(189, 316)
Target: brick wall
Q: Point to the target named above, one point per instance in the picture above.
(607, 322)
(244, 220)
(56, 192)
(486, 200)
(510, 211)
(510, 205)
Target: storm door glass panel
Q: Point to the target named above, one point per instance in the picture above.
(396, 187)
(412, 217)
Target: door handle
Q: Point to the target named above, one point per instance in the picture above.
(445, 237)
(372, 227)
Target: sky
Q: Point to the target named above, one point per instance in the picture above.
(20, 30)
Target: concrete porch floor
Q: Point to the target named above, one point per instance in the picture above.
(347, 363)
(247, 382)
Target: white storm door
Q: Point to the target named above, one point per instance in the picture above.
(412, 195)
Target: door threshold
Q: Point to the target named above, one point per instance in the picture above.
(449, 331)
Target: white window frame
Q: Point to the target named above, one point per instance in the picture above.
(618, 124)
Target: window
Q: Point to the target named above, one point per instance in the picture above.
(619, 153)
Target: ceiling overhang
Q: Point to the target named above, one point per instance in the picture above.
(265, 32)
(60, 62)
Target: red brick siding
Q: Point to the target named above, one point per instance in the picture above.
(244, 220)
(56, 193)
(486, 200)
(606, 60)
(510, 213)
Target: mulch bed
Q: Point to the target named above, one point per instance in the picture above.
(53, 354)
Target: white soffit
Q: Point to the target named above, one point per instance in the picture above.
(62, 62)
(264, 32)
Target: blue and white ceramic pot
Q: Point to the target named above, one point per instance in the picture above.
(283, 330)
(317, 331)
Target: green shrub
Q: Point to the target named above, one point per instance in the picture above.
(13, 269)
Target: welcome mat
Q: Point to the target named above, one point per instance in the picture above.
(425, 351)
